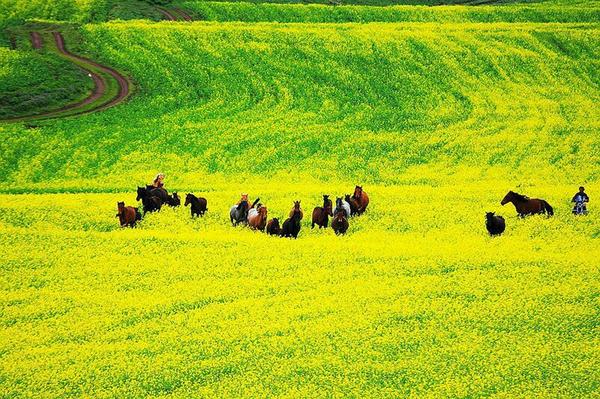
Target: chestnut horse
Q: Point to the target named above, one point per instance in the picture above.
(362, 199)
(527, 206)
(257, 218)
(127, 215)
(295, 209)
(320, 215)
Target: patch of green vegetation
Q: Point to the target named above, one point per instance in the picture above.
(134, 9)
(34, 82)
(271, 12)
(310, 99)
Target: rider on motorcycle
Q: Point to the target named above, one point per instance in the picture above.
(580, 199)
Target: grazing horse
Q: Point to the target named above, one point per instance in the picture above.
(495, 225)
(151, 203)
(353, 205)
(273, 228)
(173, 200)
(128, 215)
(239, 213)
(197, 204)
(362, 199)
(342, 205)
(339, 224)
(295, 209)
(291, 227)
(257, 218)
(320, 215)
(527, 206)
(159, 192)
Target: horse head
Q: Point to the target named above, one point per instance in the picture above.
(489, 215)
(327, 205)
(340, 215)
(358, 191)
(262, 211)
(507, 198)
(188, 199)
(296, 205)
(120, 208)
(141, 193)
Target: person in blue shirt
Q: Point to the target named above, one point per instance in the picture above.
(580, 199)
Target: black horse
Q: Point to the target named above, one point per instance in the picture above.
(495, 225)
(151, 203)
(174, 200)
(159, 192)
(291, 227)
(197, 205)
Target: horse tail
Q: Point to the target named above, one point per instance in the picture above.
(548, 208)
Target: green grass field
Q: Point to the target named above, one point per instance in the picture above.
(436, 111)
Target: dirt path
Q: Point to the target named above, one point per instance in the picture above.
(121, 80)
(99, 90)
(36, 40)
(187, 17)
(167, 14)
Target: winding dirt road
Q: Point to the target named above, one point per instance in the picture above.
(99, 90)
(174, 14)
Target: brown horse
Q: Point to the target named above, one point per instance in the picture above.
(127, 215)
(320, 215)
(339, 224)
(296, 209)
(257, 218)
(362, 199)
(527, 206)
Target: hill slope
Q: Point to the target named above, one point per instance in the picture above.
(364, 102)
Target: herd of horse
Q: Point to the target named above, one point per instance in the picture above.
(255, 215)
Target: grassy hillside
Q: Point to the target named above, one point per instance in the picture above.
(263, 12)
(378, 103)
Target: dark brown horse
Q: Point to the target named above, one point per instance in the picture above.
(291, 227)
(295, 209)
(150, 202)
(362, 199)
(128, 215)
(320, 215)
(353, 205)
(340, 222)
(527, 206)
(273, 228)
(197, 204)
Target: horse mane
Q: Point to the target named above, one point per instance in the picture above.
(244, 203)
(521, 197)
